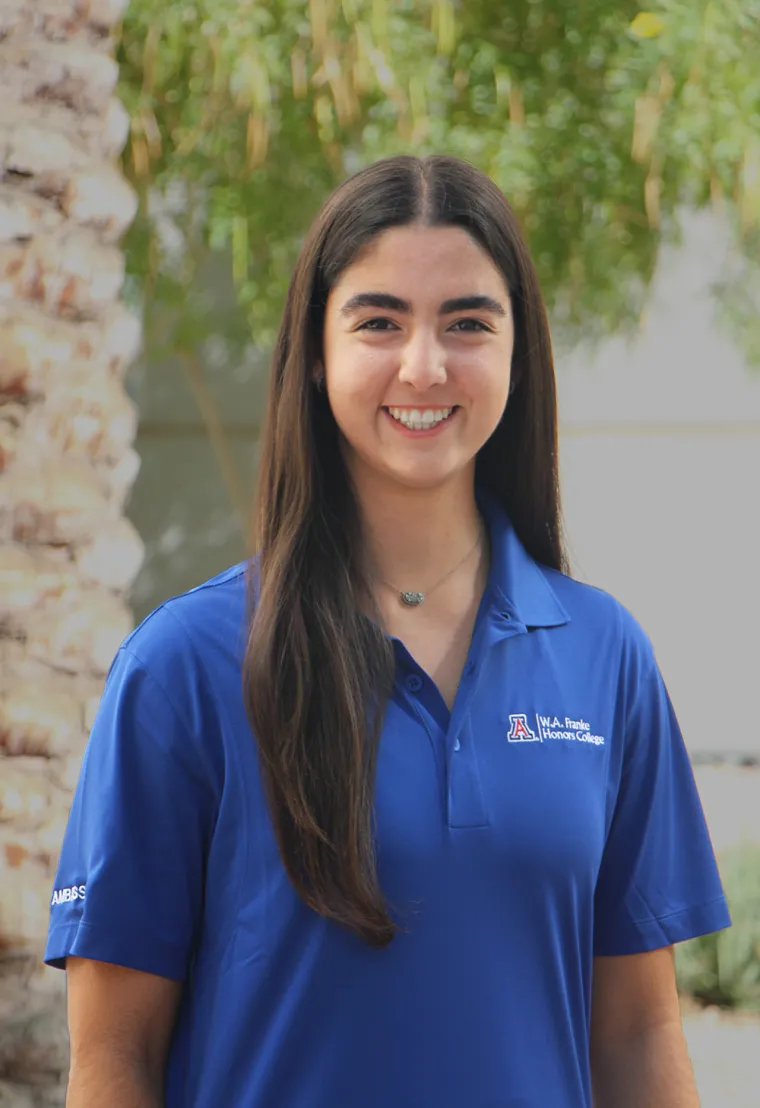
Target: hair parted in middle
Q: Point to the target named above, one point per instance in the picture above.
(317, 671)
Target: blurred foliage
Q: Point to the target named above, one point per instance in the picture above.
(597, 120)
(724, 968)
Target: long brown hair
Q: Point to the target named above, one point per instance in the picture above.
(317, 671)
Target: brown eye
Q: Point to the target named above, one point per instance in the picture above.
(476, 325)
(379, 323)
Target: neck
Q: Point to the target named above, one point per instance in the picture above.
(413, 537)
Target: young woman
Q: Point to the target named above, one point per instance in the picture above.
(398, 815)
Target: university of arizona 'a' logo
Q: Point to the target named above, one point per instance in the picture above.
(519, 732)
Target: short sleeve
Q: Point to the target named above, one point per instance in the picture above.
(129, 886)
(658, 883)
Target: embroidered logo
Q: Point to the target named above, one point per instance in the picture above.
(519, 732)
(551, 728)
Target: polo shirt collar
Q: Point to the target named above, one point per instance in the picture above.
(515, 579)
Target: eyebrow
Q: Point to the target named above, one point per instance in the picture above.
(395, 304)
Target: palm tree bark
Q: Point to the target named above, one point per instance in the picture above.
(67, 554)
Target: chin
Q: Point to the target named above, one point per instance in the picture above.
(423, 478)
(418, 474)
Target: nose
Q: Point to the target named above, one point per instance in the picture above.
(423, 362)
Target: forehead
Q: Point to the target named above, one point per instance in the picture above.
(417, 262)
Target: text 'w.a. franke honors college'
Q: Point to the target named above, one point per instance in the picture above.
(551, 727)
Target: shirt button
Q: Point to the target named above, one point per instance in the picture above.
(414, 682)
(457, 744)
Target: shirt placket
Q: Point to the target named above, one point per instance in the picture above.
(466, 807)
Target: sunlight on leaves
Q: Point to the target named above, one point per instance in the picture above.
(647, 25)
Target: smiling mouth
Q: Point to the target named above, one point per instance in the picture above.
(420, 419)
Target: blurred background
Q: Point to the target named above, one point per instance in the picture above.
(159, 164)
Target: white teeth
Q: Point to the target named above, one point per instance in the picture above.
(417, 420)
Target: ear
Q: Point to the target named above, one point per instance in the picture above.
(318, 376)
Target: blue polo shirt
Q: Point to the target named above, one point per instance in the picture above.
(550, 817)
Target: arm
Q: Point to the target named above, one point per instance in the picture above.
(638, 1052)
(120, 1025)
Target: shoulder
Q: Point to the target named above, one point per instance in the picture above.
(597, 617)
(200, 624)
(170, 675)
(605, 645)
(191, 646)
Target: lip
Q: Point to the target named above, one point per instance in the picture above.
(429, 432)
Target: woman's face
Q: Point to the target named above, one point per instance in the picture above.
(418, 344)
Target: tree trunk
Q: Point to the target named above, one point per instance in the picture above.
(67, 554)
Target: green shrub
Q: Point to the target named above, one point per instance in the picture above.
(724, 968)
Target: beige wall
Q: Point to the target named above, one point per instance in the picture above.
(660, 455)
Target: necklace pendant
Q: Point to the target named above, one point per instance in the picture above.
(412, 599)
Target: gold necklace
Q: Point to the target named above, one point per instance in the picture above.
(413, 599)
